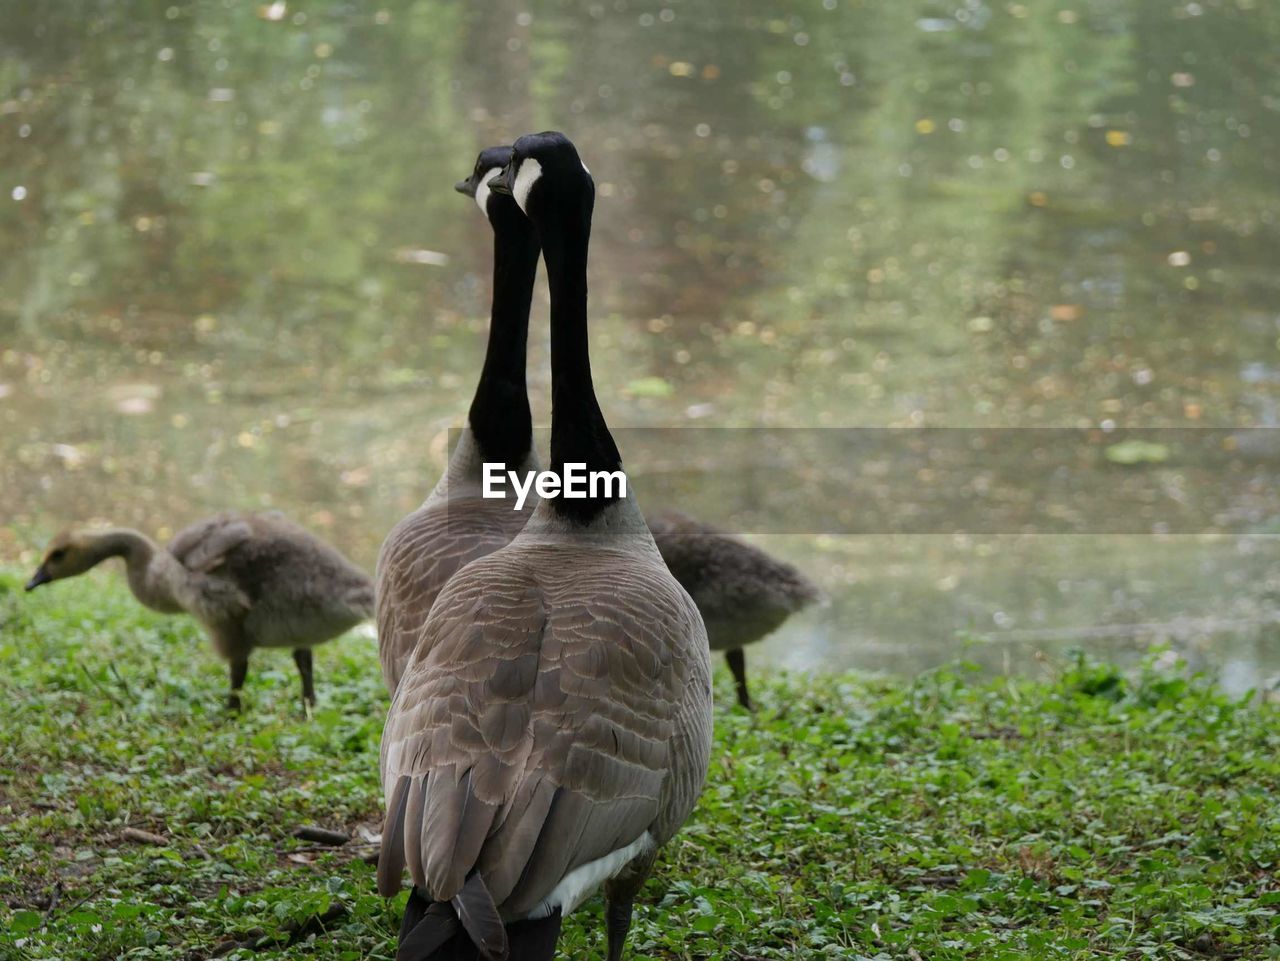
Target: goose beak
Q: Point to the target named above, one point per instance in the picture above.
(501, 184)
(41, 576)
(465, 187)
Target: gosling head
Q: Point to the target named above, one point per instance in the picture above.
(544, 174)
(488, 165)
(67, 555)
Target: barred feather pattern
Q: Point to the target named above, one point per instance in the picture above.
(559, 709)
(421, 555)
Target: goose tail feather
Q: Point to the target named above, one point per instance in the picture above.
(436, 931)
(429, 928)
(480, 919)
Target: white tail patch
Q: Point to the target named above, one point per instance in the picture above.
(528, 174)
(482, 190)
(580, 883)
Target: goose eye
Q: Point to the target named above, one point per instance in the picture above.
(57, 555)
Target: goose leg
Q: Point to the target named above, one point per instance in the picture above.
(619, 895)
(617, 922)
(302, 657)
(738, 665)
(239, 669)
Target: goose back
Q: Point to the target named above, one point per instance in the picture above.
(455, 526)
(560, 714)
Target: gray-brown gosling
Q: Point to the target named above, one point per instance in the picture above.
(252, 580)
(553, 729)
(743, 593)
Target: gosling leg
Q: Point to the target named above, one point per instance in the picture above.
(302, 657)
(239, 669)
(738, 665)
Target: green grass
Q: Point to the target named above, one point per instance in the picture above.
(1098, 816)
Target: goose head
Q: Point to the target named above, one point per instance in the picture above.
(67, 555)
(488, 165)
(545, 173)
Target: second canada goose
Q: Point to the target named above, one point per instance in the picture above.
(554, 729)
(252, 580)
(743, 593)
(456, 525)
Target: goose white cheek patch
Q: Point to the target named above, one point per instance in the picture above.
(482, 191)
(528, 174)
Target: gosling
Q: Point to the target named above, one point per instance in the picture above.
(742, 593)
(252, 580)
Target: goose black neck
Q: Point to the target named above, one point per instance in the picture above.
(579, 434)
(500, 419)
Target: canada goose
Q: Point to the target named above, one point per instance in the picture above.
(252, 580)
(456, 524)
(742, 593)
(553, 729)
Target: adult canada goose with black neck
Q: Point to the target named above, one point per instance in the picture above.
(742, 593)
(456, 524)
(553, 733)
(252, 580)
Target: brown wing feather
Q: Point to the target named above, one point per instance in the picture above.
(420, 556)
(545, 694)
(391, 857)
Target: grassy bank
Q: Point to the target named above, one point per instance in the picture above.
(1099, 816)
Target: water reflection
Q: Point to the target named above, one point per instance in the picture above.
(236, 273)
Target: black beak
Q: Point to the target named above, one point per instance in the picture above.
(41, 576)
(467, 187)
(502, 184)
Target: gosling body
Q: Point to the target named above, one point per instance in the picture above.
(252, 580)
(743, 593)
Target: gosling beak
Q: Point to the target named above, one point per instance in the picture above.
(465, 187)
(501, 184)
(41, 576)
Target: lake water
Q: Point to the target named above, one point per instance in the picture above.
(235, 273)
